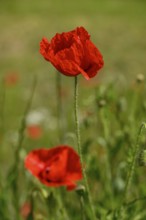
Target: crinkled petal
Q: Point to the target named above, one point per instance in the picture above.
(73, 53)
(59, 166)
(44, 47)
(82, 33)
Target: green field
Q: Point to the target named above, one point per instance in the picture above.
(112, 107)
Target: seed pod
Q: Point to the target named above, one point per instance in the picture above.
(101, 103)
(140, 78)
(80, 189)
(142, 158)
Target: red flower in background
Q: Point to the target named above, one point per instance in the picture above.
(34, 131)
(73, 53)
(25, 210)
(59, 166)
(11, 79)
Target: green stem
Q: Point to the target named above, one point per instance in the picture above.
(61, 206)
(131, 172)
(82, 208)
(2, 131)
(77, 121)
(80, 149)
(59, 105)
(133, 163)
(13, 174)
(136, 200)
(107, 159)
(2, 106)
(23, 121)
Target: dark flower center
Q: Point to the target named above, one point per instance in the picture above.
(47, 170)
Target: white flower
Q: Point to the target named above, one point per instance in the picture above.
(37, 116)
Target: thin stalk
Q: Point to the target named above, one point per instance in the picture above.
(136, 200)
(133, 163)
(61, 206)
(131, 171)
(2, 131)
(82, 208)
(107, 159)
(59, 105)
(23, 121)
(14, 172)
(80, 149)
(2, 106)
(132, 117)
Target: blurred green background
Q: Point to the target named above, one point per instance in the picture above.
(117, 27)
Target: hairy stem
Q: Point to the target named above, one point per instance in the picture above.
(133, 163)
(131, 171)
(59, 105)
(80, 149)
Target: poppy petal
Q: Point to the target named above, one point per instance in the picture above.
(58, 166)
(73, 53)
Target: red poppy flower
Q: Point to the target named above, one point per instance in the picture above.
(34, 131)
(59, 166)
(73, 53)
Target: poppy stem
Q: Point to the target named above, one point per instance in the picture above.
(2, 105)
(82, 208)
(13, 174)
(80, 149)
(59, 105)
(133, 163)
(131, 169)
(104, 120)
(23, 122)
(77, 121)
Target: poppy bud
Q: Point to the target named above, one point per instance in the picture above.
(101, 103)
(80, 190)
(140, 78)
(142, 158)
